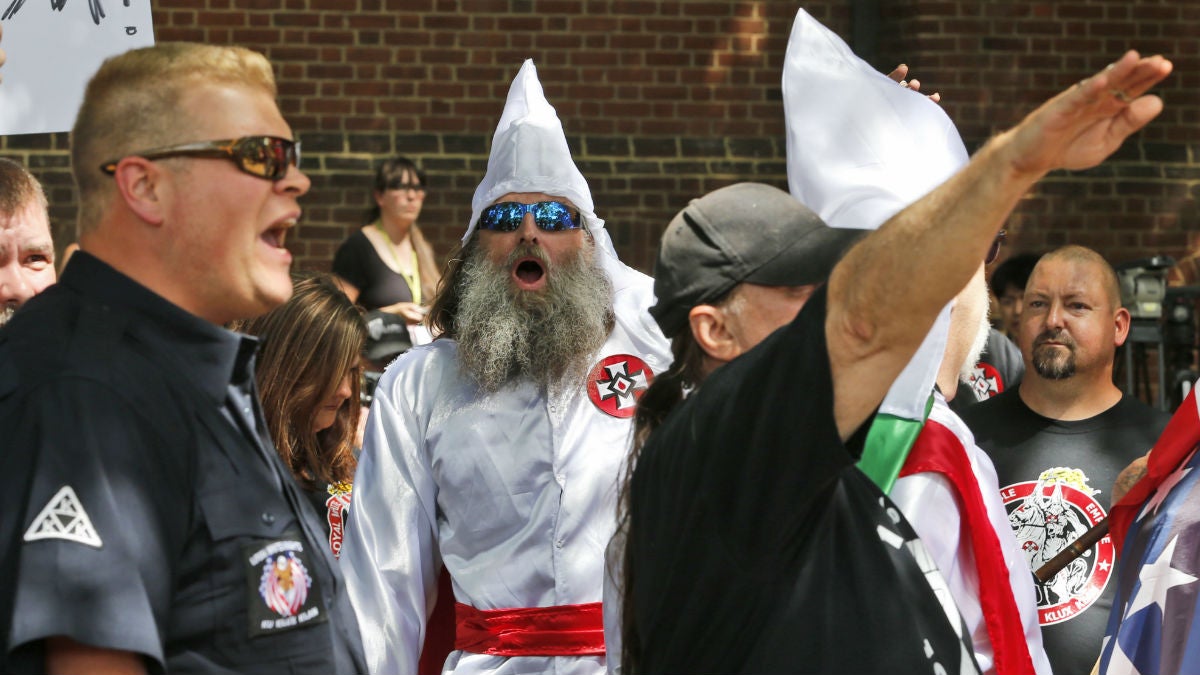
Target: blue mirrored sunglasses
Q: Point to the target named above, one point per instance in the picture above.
(549, 216)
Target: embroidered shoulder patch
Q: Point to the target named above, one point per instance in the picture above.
(63, 517)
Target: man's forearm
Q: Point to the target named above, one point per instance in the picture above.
(893, 284)
(884, 296)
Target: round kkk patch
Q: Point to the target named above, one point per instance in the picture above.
(985, 381)
(1047, 515)
(617, 382)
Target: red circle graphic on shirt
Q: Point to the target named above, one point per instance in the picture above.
(1046, 518)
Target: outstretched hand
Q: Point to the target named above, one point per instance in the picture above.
(1083, 125)
(898, 75)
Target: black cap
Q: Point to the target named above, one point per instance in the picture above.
(744, 232)
(387, 337)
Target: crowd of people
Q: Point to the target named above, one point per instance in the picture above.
(574, 467)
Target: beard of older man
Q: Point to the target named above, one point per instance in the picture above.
(979, 341)
(547, 335)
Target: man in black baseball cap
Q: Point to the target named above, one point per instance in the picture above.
(751, 541)
(738, 263)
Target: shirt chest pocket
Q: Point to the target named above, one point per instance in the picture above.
(270, 570)
(244, 511)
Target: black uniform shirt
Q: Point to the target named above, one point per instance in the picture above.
(136, 515)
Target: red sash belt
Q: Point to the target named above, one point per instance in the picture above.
(566, 630)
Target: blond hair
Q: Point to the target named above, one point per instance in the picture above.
(133, 103)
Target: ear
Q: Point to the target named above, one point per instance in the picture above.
(1121, 319)
(378, 197)
(710, 327)
(140, 183)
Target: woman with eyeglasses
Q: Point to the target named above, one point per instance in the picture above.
(309, 373)
(388, 264)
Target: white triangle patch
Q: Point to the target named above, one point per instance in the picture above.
(64, 518)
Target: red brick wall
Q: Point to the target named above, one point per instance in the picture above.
(664, 100)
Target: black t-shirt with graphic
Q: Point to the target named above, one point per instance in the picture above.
(1056, 480)
(759, 547)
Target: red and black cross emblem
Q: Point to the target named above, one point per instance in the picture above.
(617, 382)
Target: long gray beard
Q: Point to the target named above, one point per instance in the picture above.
(547, 336)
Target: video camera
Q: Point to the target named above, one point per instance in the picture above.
(1144, 286)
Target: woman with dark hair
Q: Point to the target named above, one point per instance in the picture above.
(388, 264)
(309, 375)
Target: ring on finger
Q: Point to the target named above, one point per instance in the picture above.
(1120, 95)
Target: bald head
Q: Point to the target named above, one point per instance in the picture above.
(1103, 275)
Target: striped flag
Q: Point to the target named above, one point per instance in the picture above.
(1156, 527)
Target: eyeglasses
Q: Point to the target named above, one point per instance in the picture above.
(262, 156)
(399, 184)
(549, 216)
(994, 251)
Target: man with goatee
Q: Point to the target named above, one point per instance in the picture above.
(494, 451)
(1060, 439)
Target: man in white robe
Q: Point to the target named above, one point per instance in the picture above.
(495, 450)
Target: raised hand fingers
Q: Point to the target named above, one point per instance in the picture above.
(1081, 126)
(1139, 113)
(1127, 78)
(1146, 73)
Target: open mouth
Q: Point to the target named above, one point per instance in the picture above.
(276, 235)
(529, 273)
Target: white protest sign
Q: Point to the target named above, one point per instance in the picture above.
(54, 47)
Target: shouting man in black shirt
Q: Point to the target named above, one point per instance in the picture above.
(148, 524)
(754, 544)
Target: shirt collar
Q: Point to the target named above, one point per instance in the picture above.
(208, 354)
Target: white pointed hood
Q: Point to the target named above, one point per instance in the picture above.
(859, 149)
(530, 154)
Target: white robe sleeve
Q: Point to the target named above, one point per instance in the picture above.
(611, 593)
(389, 556)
